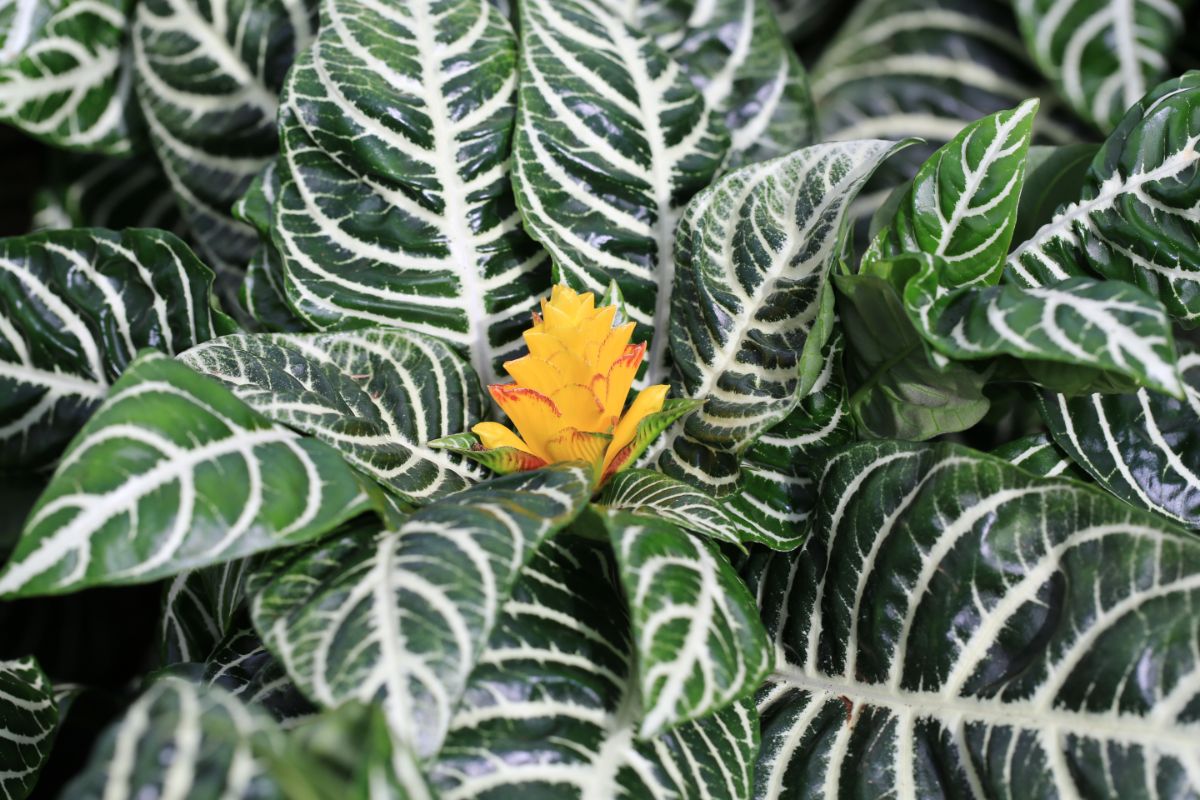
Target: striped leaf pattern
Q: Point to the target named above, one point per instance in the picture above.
(28, 719)
(399, 618)
(1138, 218)
(242, 665)
(1103, 55)
(200, 607)
(208, 79)
(75, 307)
(962, 205)
(700, 644)
(377, 396)
(753, 308)
(85, 191)
(612, 139)
(395, 206)
(1144, 447)
(180, 740)
(955, 626)
(1038, 453)
(565, 631)
(64, 77)
(175, 473)
(652, 494)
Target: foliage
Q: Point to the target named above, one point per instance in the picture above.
(854, 449)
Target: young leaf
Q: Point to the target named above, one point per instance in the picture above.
(612, 139)
(962, 205)
(1054, 176)
(377, 396)
(1102, 54)
(752, 307)
(399, 619)
(700, 644)
(200, 607)
(955, 626)
(1138, 218)
(28, 720)
(241, 665)
(63, 76)
(565, 632)
(182, 740)
(175, 473)
(75, 307)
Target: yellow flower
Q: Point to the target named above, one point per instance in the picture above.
(567, 401)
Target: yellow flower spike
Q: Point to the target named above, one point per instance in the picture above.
(567, 400)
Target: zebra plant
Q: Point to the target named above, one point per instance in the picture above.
(520, 410)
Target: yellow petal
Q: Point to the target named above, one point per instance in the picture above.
(620, 378)
(646, 403)
(578, 407)
(615, 344)
(572, 444)
(536, 373)
(533, 414)
(493, 434)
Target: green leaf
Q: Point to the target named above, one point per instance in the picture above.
(200, 607)
(899, 390)
(175, 473)
(1054, 177)
(752, 306)
(1138, 217)
(962, 205)
(956, 627)
(182, 740)
(612, 139)
(28, 720)
(208, 79)
(64, 78)
(798, 18)
(85, 191)
(395, 206)
(552, 708)
(242, 665)
(700, 644)
(377, 396)
(75, 307)
(1038, 454)
(652, 494)
(1144, 447)
(1102, 54)
(399, 618)
(263, 293)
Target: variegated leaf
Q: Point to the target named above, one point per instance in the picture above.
(612, 139)
(243, 666)
(1144, 447)
(395, 206)
(399, 618)
(1037, 453)
(1103, 55)
(565, 631)
(962, 205)
(64, 76)
(652, 494)
(85, 191)
(377, 396)
(753, 308)
(262, 292)
(956, 626)
(700, 644)
(200, 608)
(75, 307)
(1138, 218)
(28, 720)
(208, 81)
(180, 740)
(175, 473)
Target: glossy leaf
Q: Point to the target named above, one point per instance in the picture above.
(399, 618)
(200, 608)
(395, 206)
(97, 298)
(376, 396)
(1037, 453)
(242, 665)
(208, 79)
(182, 740)
(1054, 176)
(612, 139)
(700, 644)
(565, 631)
(1103, 55)
(175, 473)
(1138, 217)
(652, 494)
(956, 626)
(28, 720)
(64, 77)
(752, 306)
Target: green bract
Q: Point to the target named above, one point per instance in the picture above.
(914, 511)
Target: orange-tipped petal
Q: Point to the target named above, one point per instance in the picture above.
(615, 344)
(647, 402)
(572, 444)
(534, 415)
(493, 435)
(620, 378)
